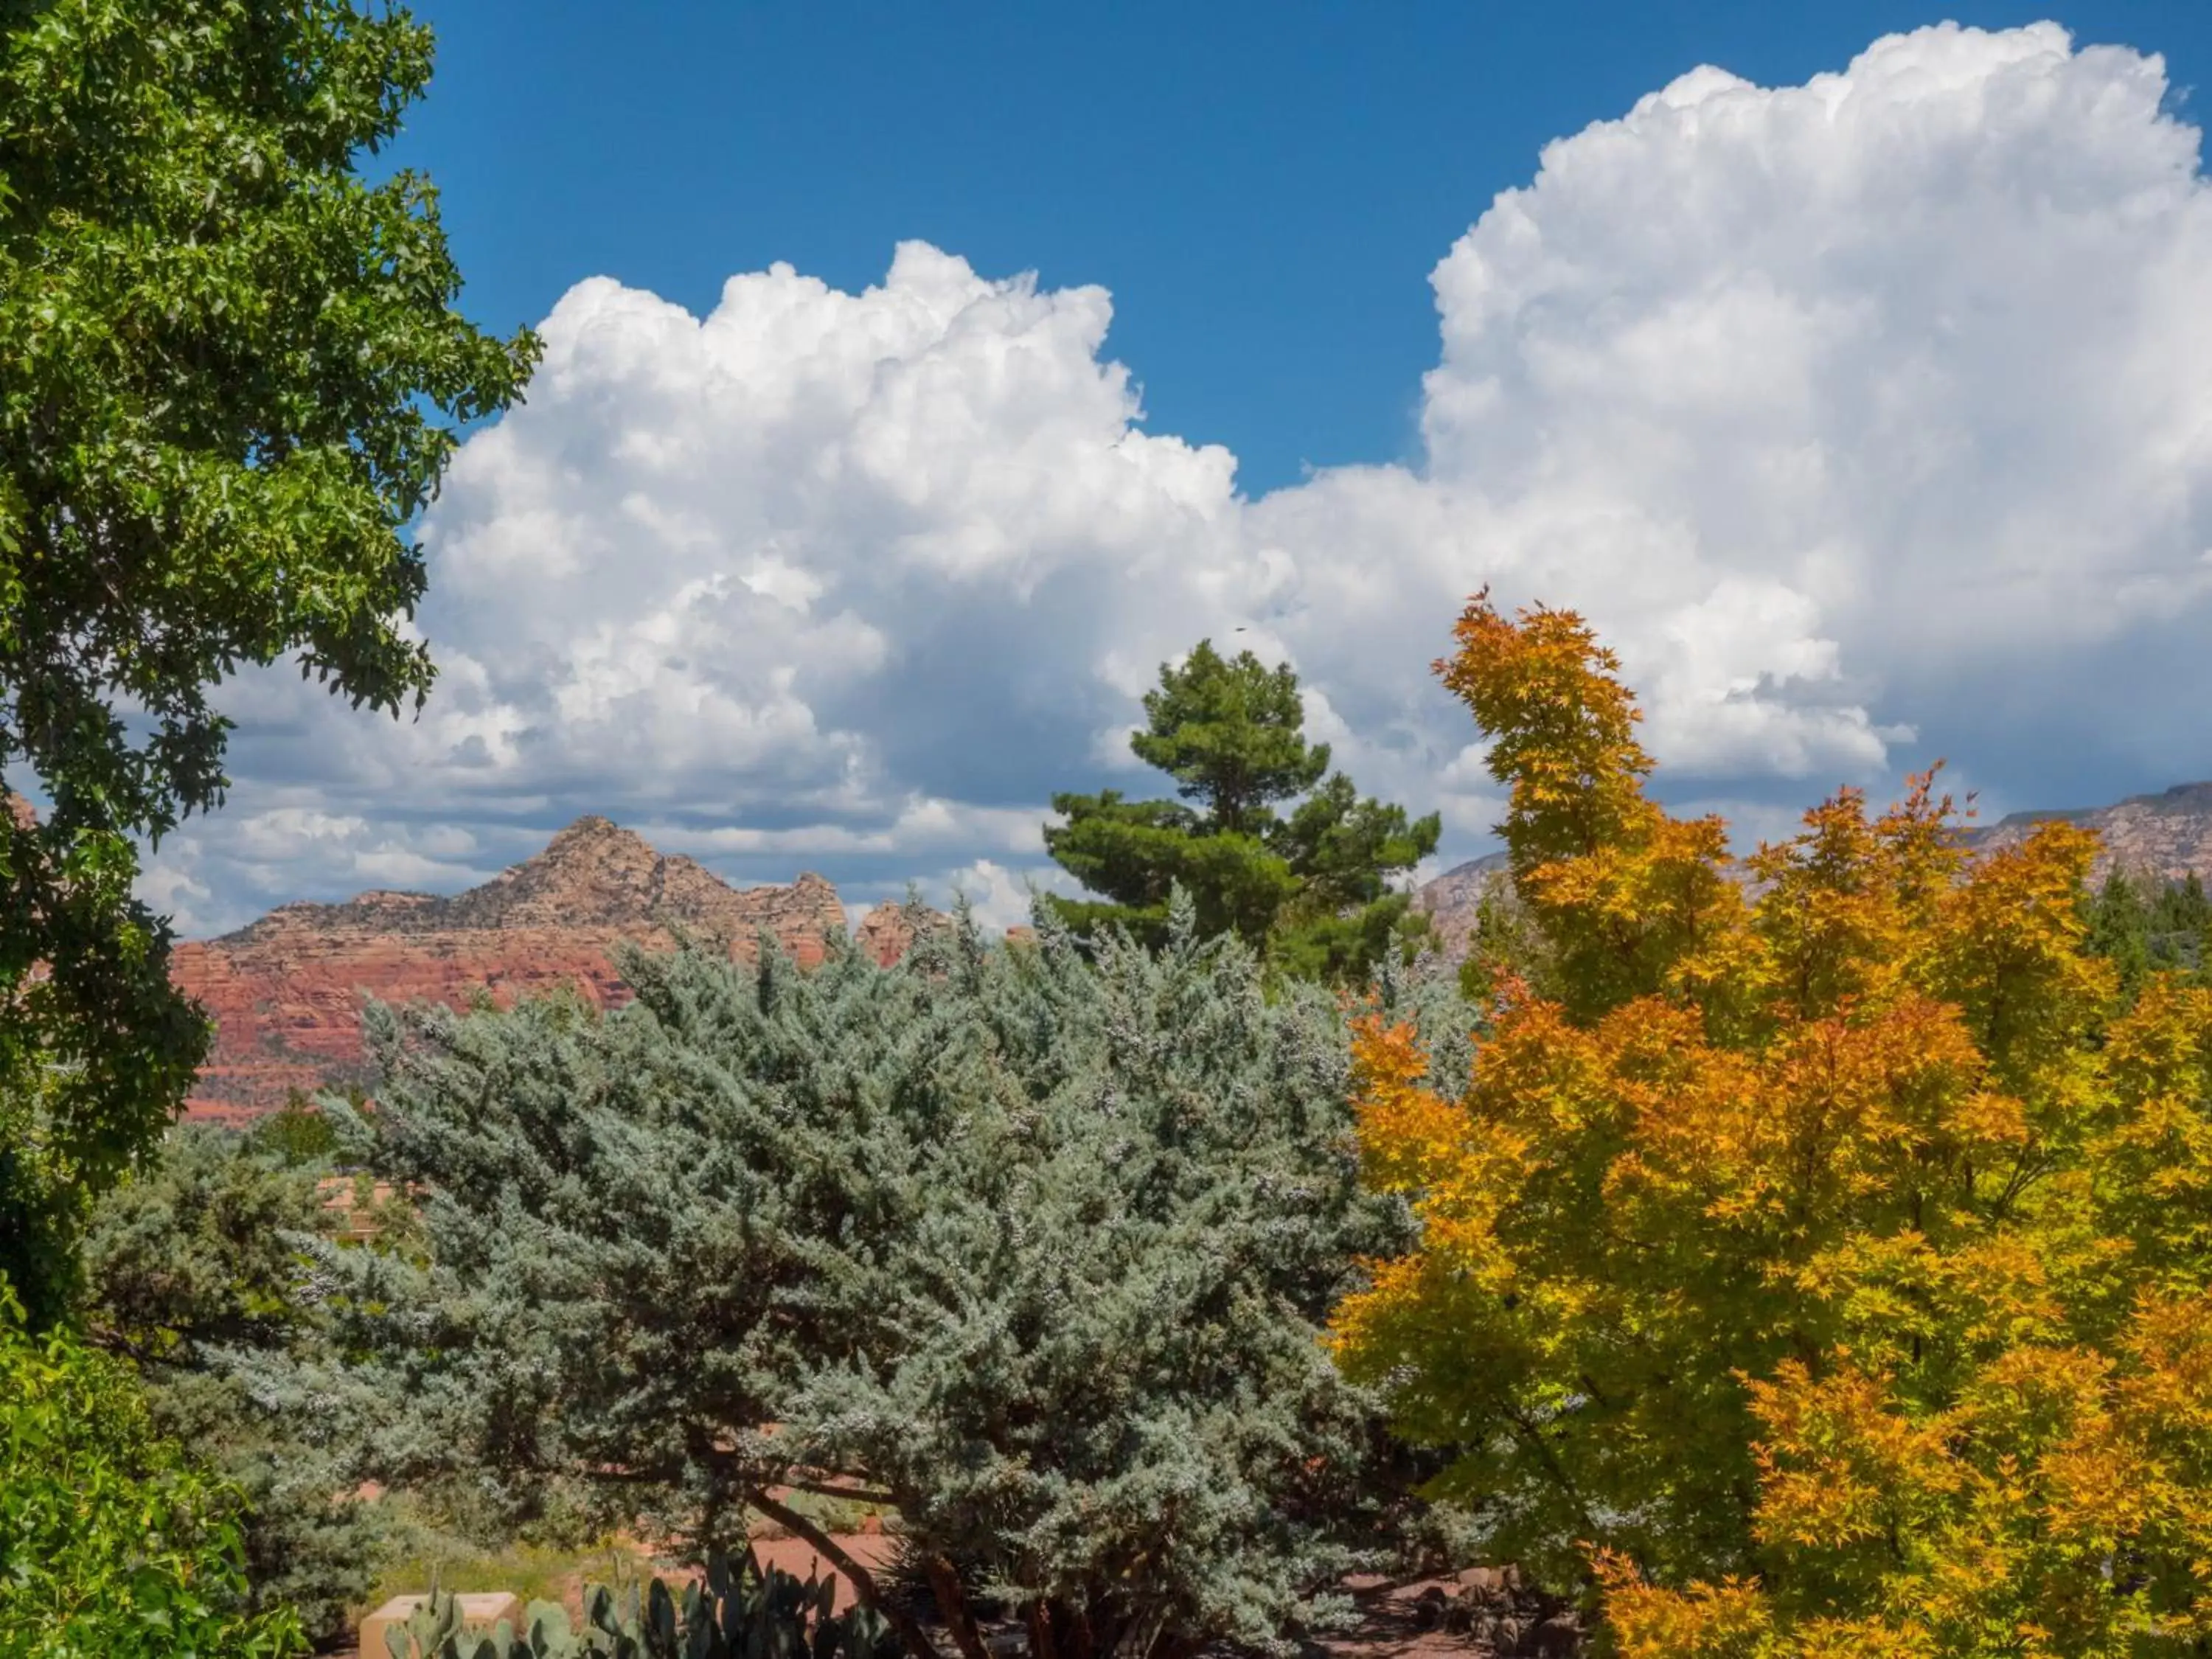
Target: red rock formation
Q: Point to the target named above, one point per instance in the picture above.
(286, 992)
(888, 931)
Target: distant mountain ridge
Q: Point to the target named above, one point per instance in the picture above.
(286, 992)
(2167, 836)
(593, 873)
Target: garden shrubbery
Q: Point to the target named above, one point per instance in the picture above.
(1032, 1245)
(111, 1541)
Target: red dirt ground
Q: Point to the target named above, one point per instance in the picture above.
(1387, 1628)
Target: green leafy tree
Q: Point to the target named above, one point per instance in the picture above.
(196, 1268)
(230, 377)
(2144, 925)
(2120, 930)
(110, 1542)
(297, 1132)
(1314, 889)
(1030, 1247)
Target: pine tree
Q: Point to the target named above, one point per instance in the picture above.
(2120, 929)
(2144, 924)
(1313, 890)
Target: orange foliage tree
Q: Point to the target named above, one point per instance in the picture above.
(1819, 1263)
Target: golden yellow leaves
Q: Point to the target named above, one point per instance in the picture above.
(1824, 1270)
(1839, 1466)
(1728, 1621)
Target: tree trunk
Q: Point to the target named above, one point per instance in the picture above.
(1078, 1641)
(1041, 1644)
(863, 1581)
(952, 1602)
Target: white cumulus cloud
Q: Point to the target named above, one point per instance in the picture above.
(1869, 418)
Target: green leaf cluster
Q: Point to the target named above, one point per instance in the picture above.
(1313, 887)
(1026, 1244)
(196, 1268)
(230, 377)
(2145, 925)
(110, 1543)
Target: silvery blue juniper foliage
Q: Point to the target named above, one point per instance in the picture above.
(1035, 1240)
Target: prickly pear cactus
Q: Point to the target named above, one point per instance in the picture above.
(737, 1613)
(433, 1630)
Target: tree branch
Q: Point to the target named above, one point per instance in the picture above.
(823, 1488)
(862, 1580)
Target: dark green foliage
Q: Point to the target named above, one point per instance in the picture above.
(229, 378)
(41, 1209)
(1312, 890)
(97, 1049)
(1231, 733)
(1345, 916)
(196, 1265)
(297, 1132)
(2145, 925)
(201, 1250)
(110, 1543)
(739, 1612)
(1033, 1249)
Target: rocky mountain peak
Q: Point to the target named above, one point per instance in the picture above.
(593, 874)
(286, 992)
(593, 871)
(2167, 836)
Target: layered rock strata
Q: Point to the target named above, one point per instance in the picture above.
(286, 993)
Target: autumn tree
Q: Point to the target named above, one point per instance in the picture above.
(1270, 844)
(231, 376)
(1824, 1267)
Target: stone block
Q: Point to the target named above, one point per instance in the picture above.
(479, 1611)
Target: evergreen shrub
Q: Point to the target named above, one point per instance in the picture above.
(1029, 1245)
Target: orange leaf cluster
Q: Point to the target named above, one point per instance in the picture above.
(1822, 1263)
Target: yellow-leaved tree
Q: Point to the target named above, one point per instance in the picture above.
(1818, 1260)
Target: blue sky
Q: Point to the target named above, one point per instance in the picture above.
(1263, 187)
(1850, 369)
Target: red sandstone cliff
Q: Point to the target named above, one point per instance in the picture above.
(286, 992)
(887, 933)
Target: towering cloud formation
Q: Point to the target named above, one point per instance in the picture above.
(1868, 417)
(1842, 402)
